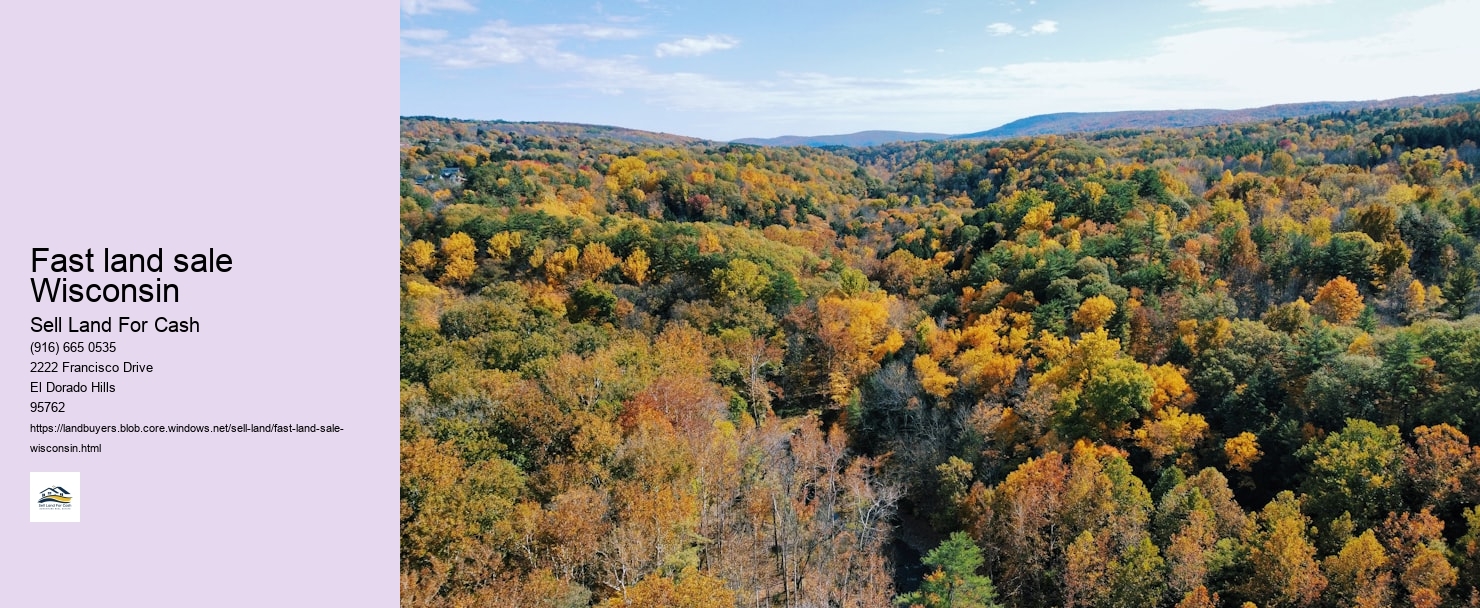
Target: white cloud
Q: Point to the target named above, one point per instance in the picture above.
(694, 47)
(1042, 28)
(422, 7)
(1240, 5)
(1185, 71)
(1000, 29)
(424, 35)
(501, 43)
(1415, 55)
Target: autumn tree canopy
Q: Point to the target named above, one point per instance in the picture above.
(1231, 365)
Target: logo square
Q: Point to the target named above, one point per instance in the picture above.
(54, 497)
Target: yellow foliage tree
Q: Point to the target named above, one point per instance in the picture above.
(709, 243)
(1094, 312)
(502, 245)
(1093, 190)
(597, 258)
(1285, 571)
(857, 333)
(626, 174)
(458, 251)
(1171, 432)
(1338, 301)
(932, 378)
(994, 346)
(940, 343)
(1171, 389)
(1198, 597)
(1072, 360)
(1358, 573)
(693, 589)
(418, 256)
(417, 289)
(987, 369)
(1242, 451)
(560, 263)
(1040, 217)
(891, 343)
(635, 267)
(1414, 297)
(1001, 330)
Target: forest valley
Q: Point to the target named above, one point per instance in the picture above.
(1220, 366)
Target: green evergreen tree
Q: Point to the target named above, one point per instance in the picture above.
(954, 583)
(1367, 321)
(1459, 289)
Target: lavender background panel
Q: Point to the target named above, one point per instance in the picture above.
(266, 130)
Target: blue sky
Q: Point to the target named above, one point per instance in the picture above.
(725, 70)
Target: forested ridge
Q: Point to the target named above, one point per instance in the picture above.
(1221, 366)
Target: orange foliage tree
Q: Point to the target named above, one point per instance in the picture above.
(1338, 301)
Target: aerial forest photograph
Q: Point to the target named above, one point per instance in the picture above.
(997, 304)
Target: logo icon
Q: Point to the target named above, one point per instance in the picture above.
(56, 495)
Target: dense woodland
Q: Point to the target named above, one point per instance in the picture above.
(1221, 366)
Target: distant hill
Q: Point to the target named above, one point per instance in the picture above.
(1085, 122)
(1081, 122)
(859, 139)
(546, 129)
(423, 128)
